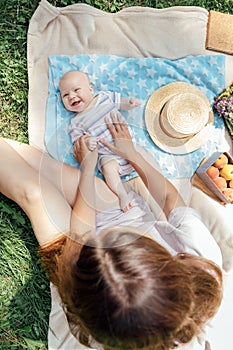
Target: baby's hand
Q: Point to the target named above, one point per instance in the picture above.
(129, 103)
(134, 102)
(91, 143)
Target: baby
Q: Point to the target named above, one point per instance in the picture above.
(78, 96)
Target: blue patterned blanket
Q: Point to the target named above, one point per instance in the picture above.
(136, 77)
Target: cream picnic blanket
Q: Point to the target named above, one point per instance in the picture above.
(171, 33)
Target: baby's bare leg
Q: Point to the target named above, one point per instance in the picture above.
(110, 170)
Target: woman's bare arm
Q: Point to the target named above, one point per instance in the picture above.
(84, 209)
(165, 194)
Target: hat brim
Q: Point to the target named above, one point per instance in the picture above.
(152, 115)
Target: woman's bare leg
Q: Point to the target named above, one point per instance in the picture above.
(64, 177)
(45, 206)
(48, 167)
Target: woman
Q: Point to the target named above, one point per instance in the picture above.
(141, 285)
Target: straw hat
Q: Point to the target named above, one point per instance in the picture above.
(178, 118)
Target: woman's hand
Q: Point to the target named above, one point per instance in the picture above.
(86, 158)
(123, 145)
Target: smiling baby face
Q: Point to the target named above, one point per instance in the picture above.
(76, 91)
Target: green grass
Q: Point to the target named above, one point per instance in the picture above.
(24, 289)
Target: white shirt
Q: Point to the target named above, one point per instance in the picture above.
(183, 232)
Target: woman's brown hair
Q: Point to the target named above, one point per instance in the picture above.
(128, 292)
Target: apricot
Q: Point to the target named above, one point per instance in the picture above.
(231, 184)
(227, 172)
(220, 182)
(221, 161)
(212, 172)
(228, 192)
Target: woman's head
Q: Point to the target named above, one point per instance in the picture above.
(128, 292)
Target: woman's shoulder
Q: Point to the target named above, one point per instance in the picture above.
(192, 235)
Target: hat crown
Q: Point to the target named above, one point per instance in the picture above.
(184, 114)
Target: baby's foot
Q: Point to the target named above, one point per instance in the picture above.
(125, 203)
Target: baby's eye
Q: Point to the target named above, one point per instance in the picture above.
(76, 90)
(65, 95)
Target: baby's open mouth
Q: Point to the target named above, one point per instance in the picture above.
(75, 103)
